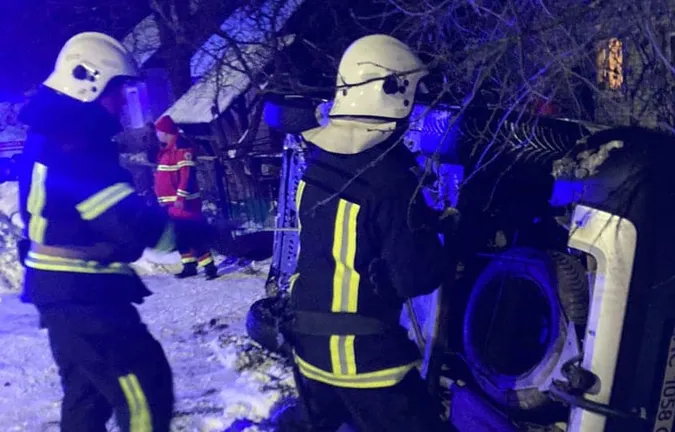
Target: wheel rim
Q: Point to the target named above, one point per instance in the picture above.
(512, 326)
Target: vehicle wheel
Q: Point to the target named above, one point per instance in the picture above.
(516, 322)
(263, 321)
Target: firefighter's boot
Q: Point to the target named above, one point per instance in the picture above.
(211, 271)
(189, 270)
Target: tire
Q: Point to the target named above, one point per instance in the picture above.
(290, 115)
(551, 287)
(263, 321)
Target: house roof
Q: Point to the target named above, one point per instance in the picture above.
(143, 40)
(214, 92)
(218, 63)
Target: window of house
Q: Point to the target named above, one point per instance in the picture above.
(609, 63)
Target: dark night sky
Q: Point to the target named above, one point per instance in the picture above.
(33, 31)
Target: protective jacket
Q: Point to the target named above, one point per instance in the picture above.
(176, 183)
(84, 223)
(367, 243)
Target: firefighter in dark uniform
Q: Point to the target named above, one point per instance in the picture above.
(367, 243)
(84, 225)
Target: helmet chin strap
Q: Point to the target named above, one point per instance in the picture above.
(375, 121)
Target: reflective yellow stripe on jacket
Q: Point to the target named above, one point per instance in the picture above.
(89, 209)
(36, 204)
(345, 284)
(180, 193)
(378, 379)
(167, 199)
(187, 195)
(177, 167)
(344, 372)
(102, 201)
(52, 263)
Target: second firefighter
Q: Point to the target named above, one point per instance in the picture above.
(367, 244)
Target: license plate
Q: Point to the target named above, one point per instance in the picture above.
(665, 414)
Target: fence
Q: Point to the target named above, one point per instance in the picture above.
(251, 186)
(239, 194)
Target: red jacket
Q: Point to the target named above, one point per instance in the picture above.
(176, 184)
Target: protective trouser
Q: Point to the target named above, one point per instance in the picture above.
(405, 407)
(123, 371)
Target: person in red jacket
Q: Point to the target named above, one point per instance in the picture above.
(177, 189)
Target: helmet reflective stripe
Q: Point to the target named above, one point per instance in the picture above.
(378, 76)
(87, 63)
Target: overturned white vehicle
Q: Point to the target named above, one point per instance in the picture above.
(560, 311)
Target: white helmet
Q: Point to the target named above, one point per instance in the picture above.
(87, 63)
(378, 77)
(377, 80)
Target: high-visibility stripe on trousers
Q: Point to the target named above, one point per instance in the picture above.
(190, 258)
(139, 413)
(120, 368)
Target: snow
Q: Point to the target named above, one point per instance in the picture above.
(223, 66)
(10, 129)
(221, 85)
(9, 204)
(11, 272)
(246, 26)
(143, 40)
(221, 377)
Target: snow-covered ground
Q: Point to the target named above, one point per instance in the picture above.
(11, 272)
(220, 375)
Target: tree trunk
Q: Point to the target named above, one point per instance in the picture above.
(173, 17)
(219, 169)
